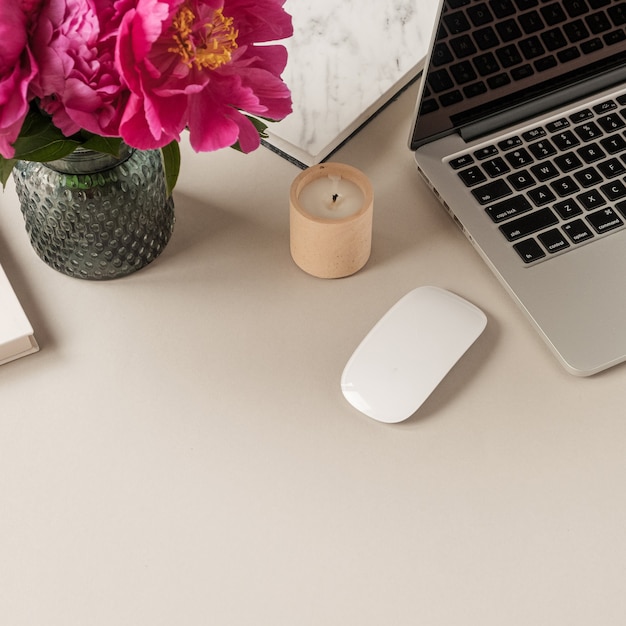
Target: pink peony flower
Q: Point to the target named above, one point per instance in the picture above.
(195, 64)
(17, 69)
(78, 84)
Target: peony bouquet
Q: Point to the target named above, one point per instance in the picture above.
(94, 73)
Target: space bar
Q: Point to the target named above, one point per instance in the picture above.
(531, 223)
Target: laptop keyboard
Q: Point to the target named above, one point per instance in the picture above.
(483, 46)
(556, 186)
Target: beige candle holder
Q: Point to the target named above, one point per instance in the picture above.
(327, 247)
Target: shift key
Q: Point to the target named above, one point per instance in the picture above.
(528, 224)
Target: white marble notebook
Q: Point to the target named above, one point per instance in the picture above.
(347, 58)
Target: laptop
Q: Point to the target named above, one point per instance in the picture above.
(520, 130)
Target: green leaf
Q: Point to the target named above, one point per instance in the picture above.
(260, 126)
(6, 167)
(35, 150)
(40, 140)
(107, 145)
(170, 156)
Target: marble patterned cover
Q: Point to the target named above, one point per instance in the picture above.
(347, 58)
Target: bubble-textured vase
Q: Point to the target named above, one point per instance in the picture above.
(95, 216)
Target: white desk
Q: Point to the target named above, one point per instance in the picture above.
(180, 452)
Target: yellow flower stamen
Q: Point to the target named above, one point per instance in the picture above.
(205, 46)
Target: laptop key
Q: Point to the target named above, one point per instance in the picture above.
(485, 194)
(510, 143)
(588, 131)
(480, 15)
(486, 38)
(618, 14)
(581, 116)
(591, 199)
(544, 171)
(524, 5)
(502, 8)
(442, 55)
(486, 64)
(456, 22)
(472, 176)
(568, 162)
(461, 161)
(575, 8)
(475, 89)
(565, 186)
(621, 206)
(616, 36)
(578, 231)
(486, 152)
(509, 56)
(554, 39)
(531, 22)
(553, 14)
(591, 46)
(496, 167)
(535, 133)
(508, 31)
(531, 48)
(553, 240)
(521, 72)
(463, 46)
(440, 81)
(611, 168)
(611, 122)
(451, 98)
(557, 125)
(567, 209)
(565, 140)
(605, 107)
(506, 209)
(529, 250)
(598, 23)
(567, 55)
(588, 177)
(499, 80)
(576, 31)
(614, 191)
(541, 195)
(591, 153)
(542, 149)
(605, 220)
(519, 158)
(529, 224)
(545, 64)
(521, 180)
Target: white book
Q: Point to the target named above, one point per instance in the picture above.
(16, 334)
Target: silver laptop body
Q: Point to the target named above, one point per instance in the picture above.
(520, 130)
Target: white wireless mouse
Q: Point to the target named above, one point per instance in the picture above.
(409, 351)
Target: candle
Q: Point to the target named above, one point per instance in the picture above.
(330, 220)
(331, 197)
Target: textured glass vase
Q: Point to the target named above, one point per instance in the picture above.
(95, 216)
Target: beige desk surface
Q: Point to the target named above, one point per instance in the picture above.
(180, 453)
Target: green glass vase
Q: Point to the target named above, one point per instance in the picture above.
(95, 216)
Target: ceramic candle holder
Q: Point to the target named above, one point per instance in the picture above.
(330, 220)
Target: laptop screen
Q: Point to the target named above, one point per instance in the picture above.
(490, 56)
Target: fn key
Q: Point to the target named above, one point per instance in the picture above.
(529, 250)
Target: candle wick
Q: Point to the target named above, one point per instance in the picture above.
(335, 197)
